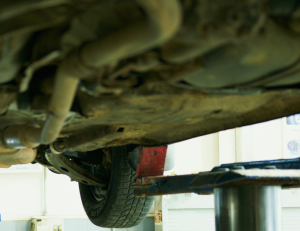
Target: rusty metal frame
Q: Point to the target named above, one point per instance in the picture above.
(64, 165)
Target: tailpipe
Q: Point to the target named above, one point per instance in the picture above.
(9, 157)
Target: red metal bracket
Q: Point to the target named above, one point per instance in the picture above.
(151, 161)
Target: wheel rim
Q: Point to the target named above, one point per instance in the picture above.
(97, 192)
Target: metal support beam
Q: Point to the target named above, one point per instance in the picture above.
(248, 208)
(271, 172)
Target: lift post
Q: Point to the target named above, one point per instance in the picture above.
(248, 208)
(247, 195)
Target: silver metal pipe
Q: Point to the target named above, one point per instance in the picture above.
(248, 208)
(162, 21)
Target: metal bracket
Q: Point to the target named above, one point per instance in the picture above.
(64, 165)
(151, 161)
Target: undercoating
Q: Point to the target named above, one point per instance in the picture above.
(230, 64)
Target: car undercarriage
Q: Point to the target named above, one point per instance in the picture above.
(84, 78)
(211, 68)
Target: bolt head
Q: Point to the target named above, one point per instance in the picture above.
(61, 145)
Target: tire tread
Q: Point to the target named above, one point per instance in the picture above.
(126, 210)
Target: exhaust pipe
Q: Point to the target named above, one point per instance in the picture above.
(163, 20)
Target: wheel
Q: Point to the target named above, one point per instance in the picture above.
(116, 207)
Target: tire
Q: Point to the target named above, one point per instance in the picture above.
(118, 208)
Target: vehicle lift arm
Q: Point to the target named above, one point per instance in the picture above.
(247, 195)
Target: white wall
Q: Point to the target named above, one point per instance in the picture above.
(260, 141)
(63, 197)
(250, 143)
(28, 192)
(21, 193)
